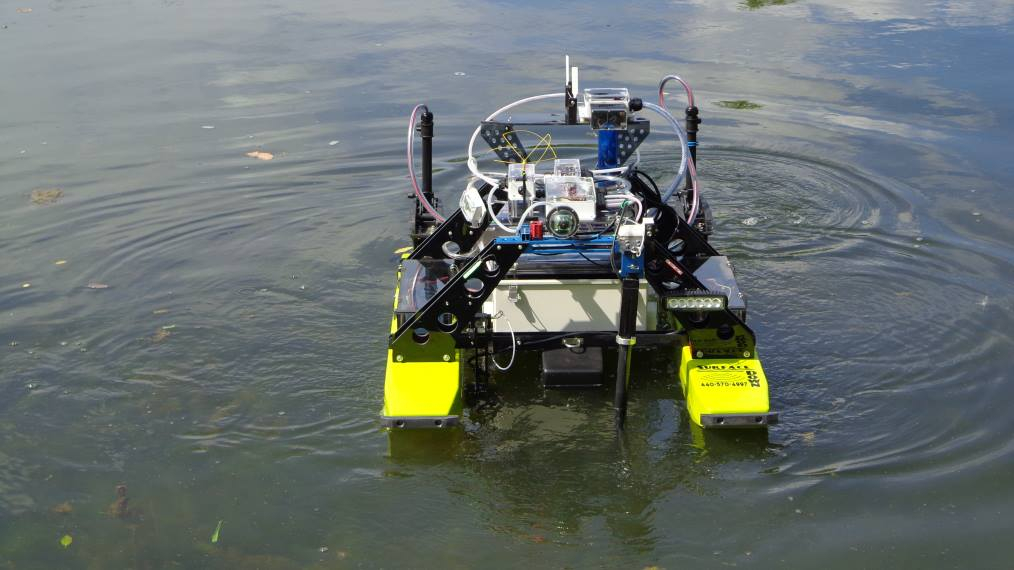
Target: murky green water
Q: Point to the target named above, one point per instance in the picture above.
(215, 338)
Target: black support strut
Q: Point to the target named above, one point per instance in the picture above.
(625, 341)
(426, 132)
(693, 121)
(423, 220)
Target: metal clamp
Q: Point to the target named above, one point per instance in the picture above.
(626, 341)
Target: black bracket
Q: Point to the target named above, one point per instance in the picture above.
(504, 141)
(712, 334)
(447, 319)
(503, 137)
(638, 129)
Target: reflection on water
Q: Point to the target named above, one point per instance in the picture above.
(208, 329)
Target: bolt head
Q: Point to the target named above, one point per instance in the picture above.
(746, 354)
(447, 358)
(700, 354)
(399, 358)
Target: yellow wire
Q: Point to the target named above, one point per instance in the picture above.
(543, 142)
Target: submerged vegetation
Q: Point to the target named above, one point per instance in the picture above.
(758, 4)
(739, 104)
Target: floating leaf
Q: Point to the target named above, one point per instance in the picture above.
(60, 262)
(160, 311)
(260, 155)
(24, 10)
(64, 508)
(95, 285)
(66, 540)
(26, 285)
(214, 535)
(44, 196)
(160, 335)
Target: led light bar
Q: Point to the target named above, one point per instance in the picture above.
(701, 303)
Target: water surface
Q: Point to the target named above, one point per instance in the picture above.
(214, 338)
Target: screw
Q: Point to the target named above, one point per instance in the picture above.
(700, 354)
(746, 354)
(499, 247)
(447, 358)
(399, 358)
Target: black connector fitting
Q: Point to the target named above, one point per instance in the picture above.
(570, 101)
(636, 104)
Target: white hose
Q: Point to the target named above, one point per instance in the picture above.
(456, 256)
(621, 169)
(521, 220)
(695, 205)
(489, 210)
(514, 346)
(632, 198)
(684, 149)
(411, 169)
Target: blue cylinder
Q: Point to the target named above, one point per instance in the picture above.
(609, 149)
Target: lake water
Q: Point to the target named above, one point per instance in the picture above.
(209, 330)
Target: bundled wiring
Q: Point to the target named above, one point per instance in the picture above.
(665, 215)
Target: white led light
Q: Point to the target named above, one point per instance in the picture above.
(696, 303)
